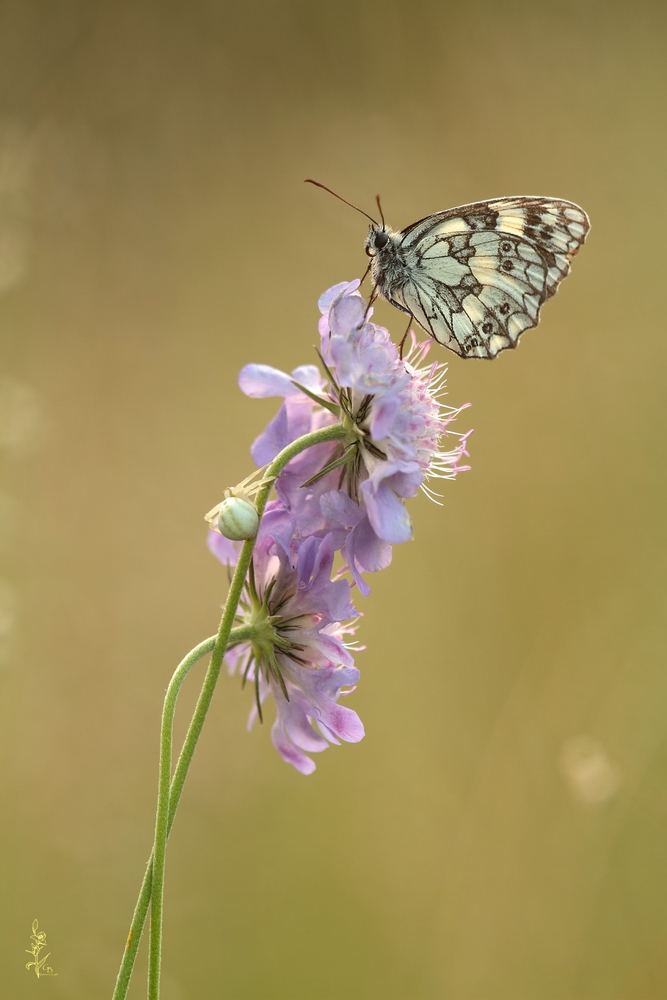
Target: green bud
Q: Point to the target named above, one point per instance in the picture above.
(237, 519)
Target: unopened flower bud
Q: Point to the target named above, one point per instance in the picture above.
(237, 519)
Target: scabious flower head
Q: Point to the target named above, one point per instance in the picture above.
(395, 419)
(395, 405)
(299, 653)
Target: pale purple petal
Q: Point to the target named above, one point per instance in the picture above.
(327, 298)
(223, 548)
(292, 421)
(353, 564)
(339, 508)
(272, 440)
(236, 655)
(383, 414)
(315, 564)
(293, 719)
(371, 553)
(313, 699)
(323, 687)
(387, 513)
(323, 649)
(308, 553)
(338, 607)
(347, 314)
(289, 753)
(406, 482)
(343, 722)
(260, 381)
(309, 376)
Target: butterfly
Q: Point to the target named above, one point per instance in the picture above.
(475, 277)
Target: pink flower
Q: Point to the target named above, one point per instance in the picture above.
(396, 406)
(396, 422)
(299, 654)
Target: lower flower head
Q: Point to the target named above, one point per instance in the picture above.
(298, 652)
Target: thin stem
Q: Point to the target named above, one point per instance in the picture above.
(141, 909)
(164, 814)
(153, 883)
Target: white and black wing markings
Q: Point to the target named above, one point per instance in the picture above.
(475, 277)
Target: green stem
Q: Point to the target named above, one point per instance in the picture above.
(141, 909)
(165, 814)
(169, 794)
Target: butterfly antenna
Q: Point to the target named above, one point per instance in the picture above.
(377, 198)
(309, 180)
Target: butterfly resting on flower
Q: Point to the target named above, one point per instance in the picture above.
(475, 277)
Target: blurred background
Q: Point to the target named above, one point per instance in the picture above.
(502, 830)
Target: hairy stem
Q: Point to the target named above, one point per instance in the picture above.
(141, 908)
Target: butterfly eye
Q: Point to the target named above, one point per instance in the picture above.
(381, 240)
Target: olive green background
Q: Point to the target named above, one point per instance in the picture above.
(501, 833)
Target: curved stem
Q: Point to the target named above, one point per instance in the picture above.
(169, 793)
(141, 908)
(165, 814)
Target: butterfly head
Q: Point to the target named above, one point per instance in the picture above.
(378, 238)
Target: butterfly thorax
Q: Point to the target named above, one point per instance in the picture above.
(388, 259)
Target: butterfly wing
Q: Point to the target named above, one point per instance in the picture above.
(475, 277)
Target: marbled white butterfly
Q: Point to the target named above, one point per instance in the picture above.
(475, 277)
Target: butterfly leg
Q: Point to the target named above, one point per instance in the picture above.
(400, 346)
(371, 300)
(365, 274)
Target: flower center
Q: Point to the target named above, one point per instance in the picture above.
(267, 640)
(265, 636)
(355, 432)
